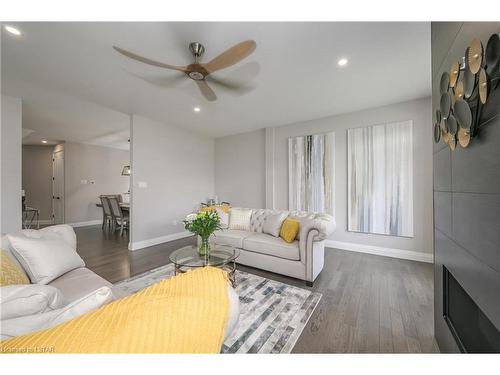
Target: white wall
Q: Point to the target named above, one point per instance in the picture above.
(103, 165)
(419, 247)
(241, 183)
(37, 179)
(10, 174)
(177, 167)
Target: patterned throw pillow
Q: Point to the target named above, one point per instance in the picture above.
(289, 230)
(240, 219)
(10, 273)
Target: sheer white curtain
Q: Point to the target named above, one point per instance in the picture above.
(380, 179)
(310, 173)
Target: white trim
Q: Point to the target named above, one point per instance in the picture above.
(85, 223)
(158, 240)
(270, 172)
(383, 251)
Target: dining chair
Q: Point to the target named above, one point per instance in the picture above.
(107, 215)
(120, 217)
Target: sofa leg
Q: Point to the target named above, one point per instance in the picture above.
(309, 283)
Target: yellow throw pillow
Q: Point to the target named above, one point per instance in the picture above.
(289, 230)
(10, 273)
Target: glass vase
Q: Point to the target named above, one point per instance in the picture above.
(204, 247)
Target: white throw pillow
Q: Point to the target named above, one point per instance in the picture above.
(62, 232)
(32, 323)
(272, 223)
(28, 299)
(44, 258)
(240, 219)
(224, 218)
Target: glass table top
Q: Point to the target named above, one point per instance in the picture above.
(189, 256)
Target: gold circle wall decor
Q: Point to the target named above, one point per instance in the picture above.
(437, 132)
(469, 83)
(451, 124)
(463, 137)
(464, 90)
(445, 105)
(452, 142)
(444, 84)
(442, 125)
(459, 90)
(445, 136)
(475, 55)
(484, 86)
(463, 113)
(454, 73)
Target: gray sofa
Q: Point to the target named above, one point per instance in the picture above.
(302, 259)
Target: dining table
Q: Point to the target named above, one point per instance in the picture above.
(123, 206)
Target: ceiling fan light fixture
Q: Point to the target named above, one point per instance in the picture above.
(12, 30)
(342, 62)
(197, 76)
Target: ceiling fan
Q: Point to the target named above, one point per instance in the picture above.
(198, 71)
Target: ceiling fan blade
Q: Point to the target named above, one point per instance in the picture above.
(233, 86)
(162, 81)
(231, 56)
(148, 61)
(205, 89)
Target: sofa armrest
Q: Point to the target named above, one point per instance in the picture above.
(322, 224)
(313, 229)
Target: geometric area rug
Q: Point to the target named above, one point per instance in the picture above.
(272, 314)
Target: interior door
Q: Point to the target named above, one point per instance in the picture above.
(58, 187)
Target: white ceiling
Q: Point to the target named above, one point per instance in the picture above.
(77, 88)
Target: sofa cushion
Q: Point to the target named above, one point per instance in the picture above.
(259, 217)
(29, 299)
(78, 283)
(231, 237)
(31, 323)
(275, 246)
(44, 258)
(272, 224)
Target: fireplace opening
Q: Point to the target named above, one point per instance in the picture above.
(471, 328)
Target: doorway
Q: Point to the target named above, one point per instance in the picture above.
(58, 185)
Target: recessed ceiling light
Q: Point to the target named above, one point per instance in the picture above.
(342, 62)
(44, 141)
(12, 30)
(197, 109)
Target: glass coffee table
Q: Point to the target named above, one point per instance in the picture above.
(221, 256)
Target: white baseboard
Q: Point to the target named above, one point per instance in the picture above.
(158, 240)
(85, 223)
(383, 251)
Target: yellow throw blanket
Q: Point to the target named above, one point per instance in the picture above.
(184, 314)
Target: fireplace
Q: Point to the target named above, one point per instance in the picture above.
(471, 328)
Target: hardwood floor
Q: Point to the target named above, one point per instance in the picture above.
(370, 304)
